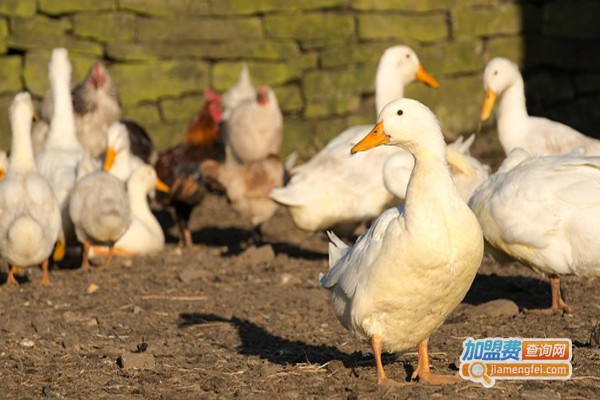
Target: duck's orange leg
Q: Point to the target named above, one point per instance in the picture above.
(45, 276)
(111, 252)
(10, 280)
(423, 373)
(85, 262)
(382, 379)
(558, 304)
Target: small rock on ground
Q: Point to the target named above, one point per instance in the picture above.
(136, 361)
(496, 308)
(595, 336)
(256, 255)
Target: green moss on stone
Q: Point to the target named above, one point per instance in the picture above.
(17, 8)
(451, 58)
(143, 114)
(181, 109)
(129, 52)
(503, 19)
(147, 82)
(162, 8)
(403, 5)
(510, 47)
(425, 28)
(41, 25)
(166, 135)
(35, 41)
(229, 7)
(225, 74)
(5, 130)
(194, 29)
(325, 25)
(105, 27)
(57, 7)
(10, 74)
(289, 98)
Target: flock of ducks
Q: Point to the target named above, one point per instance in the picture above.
(413, 265)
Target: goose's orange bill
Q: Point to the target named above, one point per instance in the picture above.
(488, 104)
(109, 159)
(375, 138)
(161, 186)
(427, 79)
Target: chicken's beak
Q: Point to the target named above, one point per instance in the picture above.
(488, 104)
(2, 173)
(161, 186)
(109, 159)
(427, 79)
(35, 117)
(375, 138)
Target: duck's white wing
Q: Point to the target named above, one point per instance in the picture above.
(549, 137)
(352, 264)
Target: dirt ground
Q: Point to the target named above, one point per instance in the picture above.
(218, 321)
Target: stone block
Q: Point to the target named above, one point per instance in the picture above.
(403, 5)
(330, 92)
(144, 114)
(167, 135)
(130, 52)
(10, 74)
(587, 83)
(511, 47)
(147, 82)
(230, 49)
(35, 72)
(41, 25)
(503, 19)
(161, 8)
(3, 35)
(565, 54)
(181, 109)
(183, 29)
(325, 25)
(5, 132)
(225, 74)
(33, 41)
(543, 89)
(456, 103)
(17, 8)
(289, 98)
(424, 28)
(572, 19)
(454, 57)
(105, 27)
(308, 136)
(237, 7)
(57, 7)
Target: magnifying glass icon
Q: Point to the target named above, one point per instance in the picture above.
(478, 370)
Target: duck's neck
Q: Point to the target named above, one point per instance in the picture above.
(140, 208)
(430, 188)
(121, 167)
(62, 126)
(388, 86)
(21, 157)
(512, 115)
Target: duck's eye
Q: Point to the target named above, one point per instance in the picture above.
(496, 72)
(400, 112)
(408, 56)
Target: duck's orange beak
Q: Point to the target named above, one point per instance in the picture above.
(161, 186)
(109, 159)
(375, 138)
(427, 79)
(2, 173)
(488, 104)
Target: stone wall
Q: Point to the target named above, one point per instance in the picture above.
(320, 55)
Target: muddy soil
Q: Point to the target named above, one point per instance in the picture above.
(221, 321)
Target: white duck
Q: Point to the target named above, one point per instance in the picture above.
(466, 171)
(242, 91)
(145, 235)
(556, 229)
(536, 135)
(404, 276)
(61, 152)
(100, 211)
(323, 193)
(29, 212)
(255, 128)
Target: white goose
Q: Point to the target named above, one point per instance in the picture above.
(537, 136)
(61, 152)
(145, 235)
(323, 193)
(29, 212)
(100, 211)
(405, 275)
(556, 229)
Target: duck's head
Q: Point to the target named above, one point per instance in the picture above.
(117, 141)
(407, 65)
(498, 75)
(145, 177)
(405, 123)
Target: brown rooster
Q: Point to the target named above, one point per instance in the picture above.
(179, 166)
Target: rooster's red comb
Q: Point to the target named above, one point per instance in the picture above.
(212, 96)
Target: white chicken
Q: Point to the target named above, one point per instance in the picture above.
(242, 91)
(255, 128)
